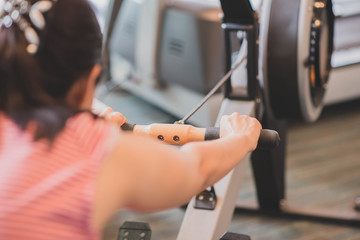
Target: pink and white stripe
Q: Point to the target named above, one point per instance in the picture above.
(47, 193)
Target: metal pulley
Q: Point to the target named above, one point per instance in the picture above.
(296, 44)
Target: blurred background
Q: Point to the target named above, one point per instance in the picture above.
(164, 56)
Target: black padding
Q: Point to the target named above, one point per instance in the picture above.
(237, 11)
(212, 133)
(127, 127)
(268, 139)
(135, 231)
(282, 59)
(234, 236)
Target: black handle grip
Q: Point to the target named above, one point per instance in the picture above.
(268, 139)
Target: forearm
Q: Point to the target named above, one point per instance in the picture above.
(143, 174)
(171, 176)
(217, 158)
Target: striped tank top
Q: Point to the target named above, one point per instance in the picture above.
(47, 193)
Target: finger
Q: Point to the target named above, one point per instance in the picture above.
(105, 113)
(117, 118)
(225, 126)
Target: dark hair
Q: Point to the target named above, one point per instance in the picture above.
(34, 87)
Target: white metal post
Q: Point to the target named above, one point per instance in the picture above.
(210, 225)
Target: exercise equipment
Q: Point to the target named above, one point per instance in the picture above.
(346, 58)
(307, 76)
(214, 208)
(310, 86)
(296, 56)
(180, 134)
(142, 231)
(161, 63)
(134, 231)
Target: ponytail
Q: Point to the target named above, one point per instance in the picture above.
(33, 87)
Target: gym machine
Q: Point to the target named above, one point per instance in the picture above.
(214, 208)
(306, 60)
(295, 61)
(150, 60)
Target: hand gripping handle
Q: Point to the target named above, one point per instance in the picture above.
(175, 134)
(268, 139)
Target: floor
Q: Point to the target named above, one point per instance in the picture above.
(323, 171)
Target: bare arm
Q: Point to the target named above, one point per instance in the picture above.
(144, 174)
